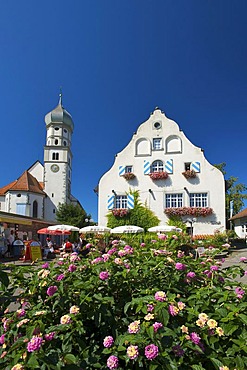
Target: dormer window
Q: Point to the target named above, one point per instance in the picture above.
(56, 141)
(56, 128)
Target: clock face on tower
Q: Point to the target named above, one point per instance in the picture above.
(55, 168)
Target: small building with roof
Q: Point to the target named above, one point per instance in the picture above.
(240, 223)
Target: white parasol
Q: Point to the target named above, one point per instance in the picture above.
(126, 229)
(94, 229)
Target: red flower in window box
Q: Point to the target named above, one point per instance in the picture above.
(129, 175)
(120, 212)
(189, 211)
(161, 175)
(189, 174)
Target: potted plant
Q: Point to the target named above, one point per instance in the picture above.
(120, 212)
(161, 175)
(189, 174)
(129, 175)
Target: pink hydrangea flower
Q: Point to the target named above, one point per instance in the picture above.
(243, 259)
(122, 253)
(151, 351)
(51, 290)
(112, 251)
(105, 257)
(115, 242)
(72, 268)
(195, 338)
(143, 244)
(50, 336)
(134, 327)
(157, 326)
(108, 341)
(173, 310)
(191, 275)
(214, 268)
(45, 265)
(240, 292)
(162, 236)
(2, 339)
(60, 277)
(150, 307)
(88, 245)
(34, 344)
(180, 266)
(132, 352)
(112, 362)
(104, 275)
(160, 296)
(97, 260)
(180, 254)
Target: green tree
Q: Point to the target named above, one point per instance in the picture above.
(140, 216)
(234, 192)
(72, 215)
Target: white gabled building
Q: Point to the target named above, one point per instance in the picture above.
(159, 148)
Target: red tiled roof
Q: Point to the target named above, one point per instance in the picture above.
(26, 182)
(241, 214)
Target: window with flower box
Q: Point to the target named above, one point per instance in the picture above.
(198, 200)
(174, 200)
(157, 166)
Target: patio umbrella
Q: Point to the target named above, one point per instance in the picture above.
(163, 229)
(94, 229)
(126, 229)
(63, 228)
(46, 231)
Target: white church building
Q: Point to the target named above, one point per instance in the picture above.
(39, 190)
(172, 176)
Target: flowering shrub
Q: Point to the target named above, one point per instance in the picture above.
(120, 212)
(152, 307)
(189, 174)
(161, 175)
(129, 175)
(189, 211)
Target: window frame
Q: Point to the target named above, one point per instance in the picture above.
(176, 200)
(159, 141)
(121, 202)
(199, 200)
(158, 167)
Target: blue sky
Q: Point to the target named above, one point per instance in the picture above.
(116, 60)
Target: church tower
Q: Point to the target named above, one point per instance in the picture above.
(57, 159)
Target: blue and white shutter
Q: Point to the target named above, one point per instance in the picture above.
(121, 170)
(169, 166)
(146, 167)
(130, 201)
(110, 201)
(196, 166)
